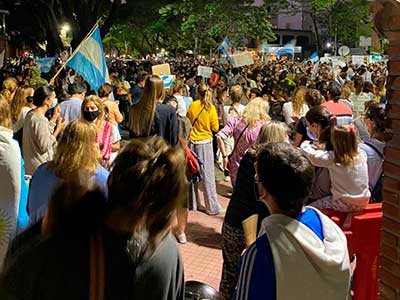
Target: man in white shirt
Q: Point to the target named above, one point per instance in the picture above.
(71, 108)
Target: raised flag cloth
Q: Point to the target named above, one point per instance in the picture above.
(88, 60)
(314, 57)
(225, 48)
(45, 64)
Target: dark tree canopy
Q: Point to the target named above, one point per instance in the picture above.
(40, 20)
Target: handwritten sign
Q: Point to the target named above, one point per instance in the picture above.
(205, 72)
(242, 59)
(357, 59)
(160, 70)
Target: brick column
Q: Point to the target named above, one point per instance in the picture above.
(387, 21)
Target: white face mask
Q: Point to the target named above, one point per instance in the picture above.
(111, 97)
(54, 103)
(311, 135)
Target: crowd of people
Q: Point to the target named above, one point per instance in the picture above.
(96, 189)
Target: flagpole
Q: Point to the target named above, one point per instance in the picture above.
(73, 53)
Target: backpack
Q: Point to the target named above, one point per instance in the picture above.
(376, 192)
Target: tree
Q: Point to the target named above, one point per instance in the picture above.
(205, 23)
(351, 18)
(42, 19)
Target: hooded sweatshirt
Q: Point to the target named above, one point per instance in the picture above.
(303, 258)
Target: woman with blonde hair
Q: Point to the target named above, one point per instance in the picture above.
(119, 249)
(77, 154)
(108, 137)
(21, 105)
(297, 108)
(203, 116)
(245, 131)
(150, 116)
(243, 204)
(10, 86)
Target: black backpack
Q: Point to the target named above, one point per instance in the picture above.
(376, 192)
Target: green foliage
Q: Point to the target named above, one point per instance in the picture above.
(204, 24)
(351, 18)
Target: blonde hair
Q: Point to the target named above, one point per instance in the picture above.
(141, 116)
(76, 151)
(298, 100)
(272, 132)
(346, 91)
(256, 110)
(205, 95)
(5, 114)
(344, 143)
(146, 185)
(100, 106)
(10, 85)
(20, 101)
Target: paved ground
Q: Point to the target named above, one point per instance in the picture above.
(202, 254)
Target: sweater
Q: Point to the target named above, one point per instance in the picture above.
(10, 188)
(348, 184)
(206, 123)
(37, 141)
(302, 258)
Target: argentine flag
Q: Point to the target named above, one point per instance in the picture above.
(287, 49)
(314, 57)
(88, 60)
(225, 48)
(46, 63)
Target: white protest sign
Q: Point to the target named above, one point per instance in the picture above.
(337, 63)
(357, 59)
(242, 59)
(205, 72)
(160, 70)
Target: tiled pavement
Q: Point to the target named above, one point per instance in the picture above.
(202, 254)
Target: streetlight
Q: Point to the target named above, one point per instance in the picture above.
(328, 45)
(66, 27)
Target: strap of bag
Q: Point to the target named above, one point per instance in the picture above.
(375, 149)
(97, 262)
(240, 136)
(198, 116)
(195, 120)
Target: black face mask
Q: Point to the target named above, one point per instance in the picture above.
(91, 115)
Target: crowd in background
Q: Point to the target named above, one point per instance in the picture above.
(67, 141)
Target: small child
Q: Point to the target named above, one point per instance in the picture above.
(348, 170)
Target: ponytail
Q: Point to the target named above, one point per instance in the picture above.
(205, 95)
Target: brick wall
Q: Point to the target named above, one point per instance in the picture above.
(387, 22)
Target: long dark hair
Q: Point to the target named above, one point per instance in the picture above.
(41, 94)
(321, 116)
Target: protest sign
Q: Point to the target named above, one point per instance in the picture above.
(357, 59)
(163, 69)
(205, 72)
(242, 59)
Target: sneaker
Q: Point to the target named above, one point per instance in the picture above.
(181, 238)
(221, 212)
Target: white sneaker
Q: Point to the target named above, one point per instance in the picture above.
(181, 238)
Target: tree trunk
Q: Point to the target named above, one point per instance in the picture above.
(111, 18)
(317, 37)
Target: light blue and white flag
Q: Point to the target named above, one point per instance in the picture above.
(314, 57)
(225, 48)
(168, 80)
(46, 63)
(88, 60)
(287, 49)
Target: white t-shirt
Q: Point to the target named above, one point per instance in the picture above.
(287, 111)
